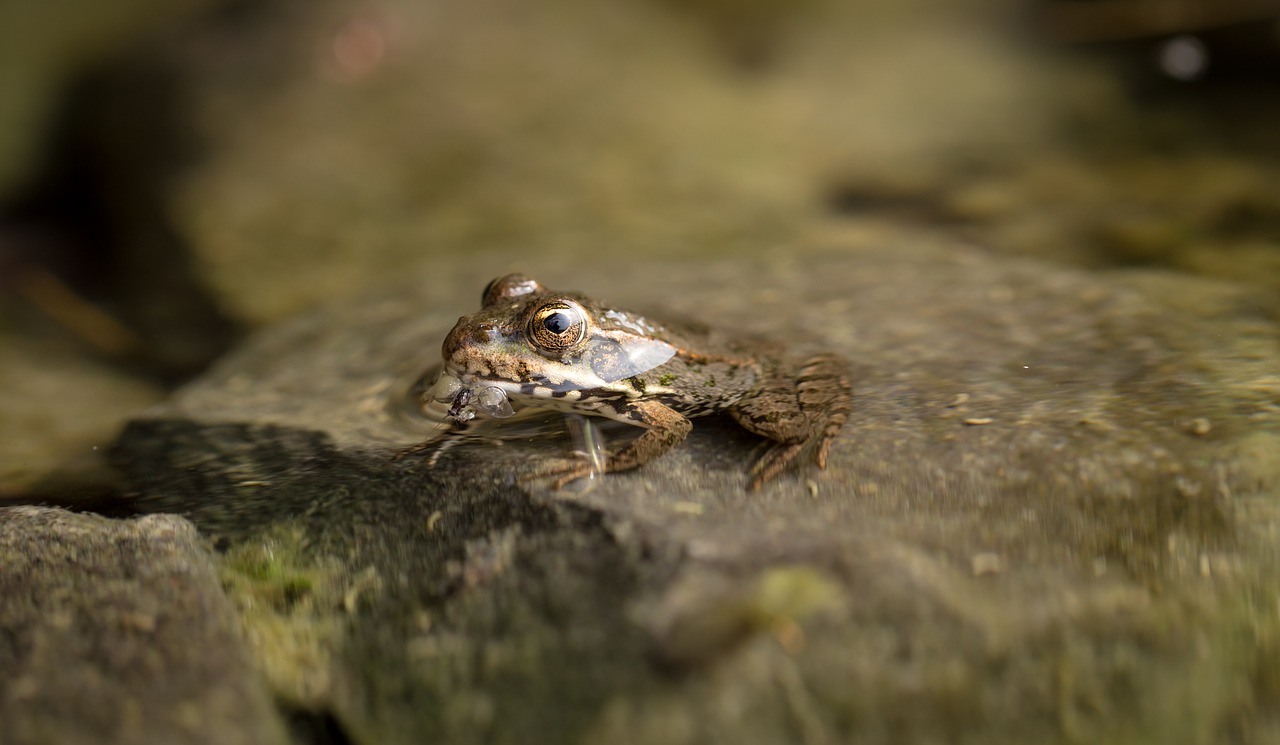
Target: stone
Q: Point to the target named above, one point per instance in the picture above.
(458, 601)
(1027, 532)
(118, 632)
(61, 407)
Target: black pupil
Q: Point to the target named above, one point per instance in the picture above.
(556, 323)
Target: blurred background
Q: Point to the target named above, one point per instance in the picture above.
(177, 174)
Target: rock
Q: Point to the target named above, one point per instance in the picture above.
(405, 131)
(60, 406)
(1051, 518)
(1081, 564)
(118, 632)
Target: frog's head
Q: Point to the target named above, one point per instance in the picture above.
(530, 341)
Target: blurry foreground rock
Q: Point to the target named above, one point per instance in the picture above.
(119, 632)
(1050, 519)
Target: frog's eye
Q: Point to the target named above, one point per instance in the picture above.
(509, 286)
(557, 326)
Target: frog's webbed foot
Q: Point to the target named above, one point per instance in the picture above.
(561, 472)
(421, 447)
(666, 429)
(437, 446)
(799, 411)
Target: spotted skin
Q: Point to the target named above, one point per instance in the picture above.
(567, 352)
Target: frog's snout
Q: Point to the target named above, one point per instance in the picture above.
(466, 337)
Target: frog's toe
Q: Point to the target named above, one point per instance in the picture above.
(774, 461)
(820, 456)
(560, 473)
(829, 432)
(422, 447)
(562, 481)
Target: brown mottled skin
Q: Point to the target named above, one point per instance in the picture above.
(568, 352)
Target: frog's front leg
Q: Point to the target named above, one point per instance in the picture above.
(799, 410)
(666, 429)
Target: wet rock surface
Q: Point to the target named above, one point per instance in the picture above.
(118, 631)
(1051, 518)
(60, 411)
(1054, 502)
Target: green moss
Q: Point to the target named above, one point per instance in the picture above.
(667, 379)
(270, 570)
(292, 605)
(774, 603)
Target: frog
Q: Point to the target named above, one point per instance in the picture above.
(568, 352)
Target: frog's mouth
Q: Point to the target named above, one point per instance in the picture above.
(466, 394)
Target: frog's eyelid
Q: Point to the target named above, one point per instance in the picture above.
(507, 287)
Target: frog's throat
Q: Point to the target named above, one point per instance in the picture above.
(568, 394)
